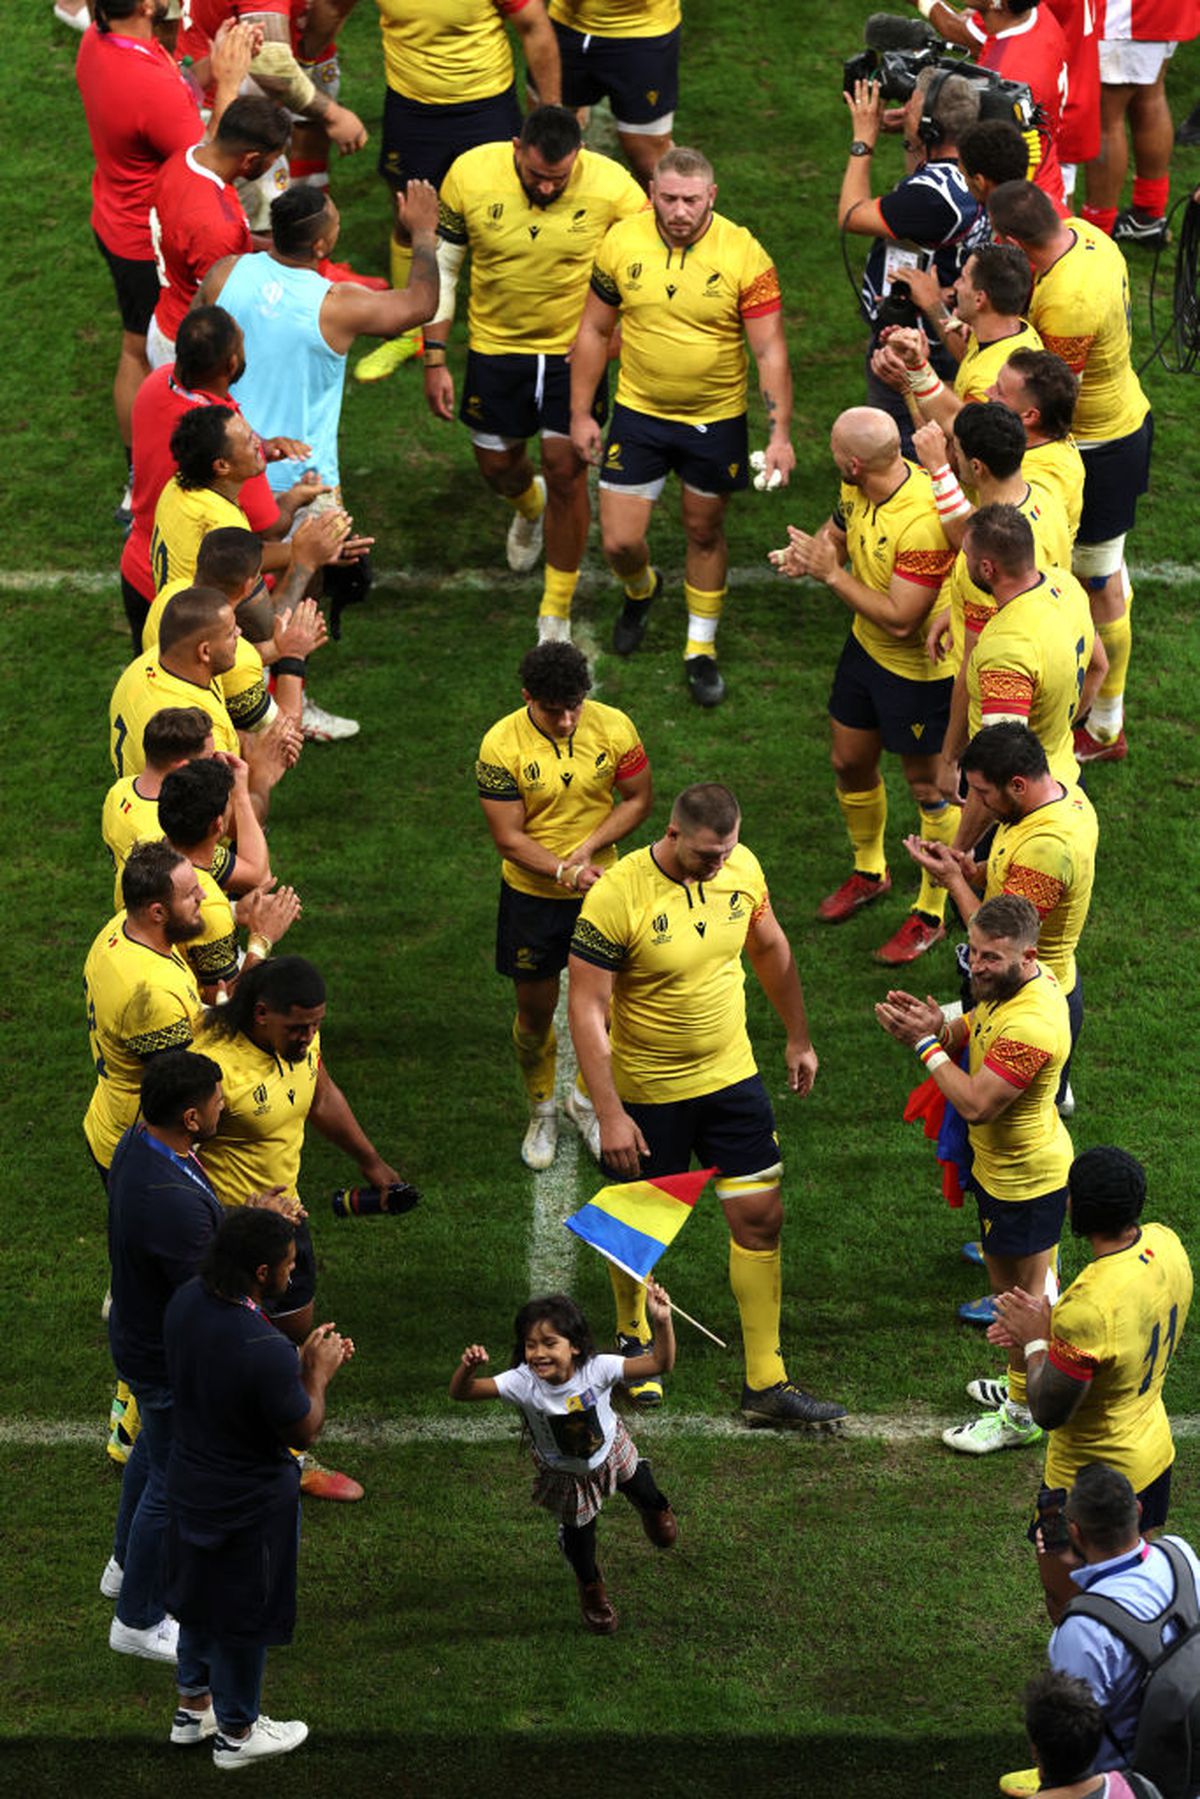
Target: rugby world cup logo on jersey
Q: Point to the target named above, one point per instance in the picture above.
(532, 772)
(496, 212)
(736, 908)
(260, 1098)
(633, 275)
(660, 921)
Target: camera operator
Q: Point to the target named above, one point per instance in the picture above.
(1021, 41)
(931, 209)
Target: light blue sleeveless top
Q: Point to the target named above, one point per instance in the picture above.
(293, 382)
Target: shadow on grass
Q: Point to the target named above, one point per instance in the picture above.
(577, 1768)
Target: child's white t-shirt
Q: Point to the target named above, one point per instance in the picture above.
(572, 1425)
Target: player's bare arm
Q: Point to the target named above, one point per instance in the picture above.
(590, 992)
(506, 822)
(331, 1113)
(977, 1098)
(769, 347)
(589, 356)
(774, 965)
(636, 795)
(349, 310)
(540, 48)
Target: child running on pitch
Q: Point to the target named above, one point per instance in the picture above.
(581, 1449)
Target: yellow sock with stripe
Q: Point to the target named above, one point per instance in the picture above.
(537, 1058)
(756, 1277)
(938, 825)
(865, 815)
(399, 263)
(639, 586)
(124, 1423)
(704, 612)
(1107, 715)
(531, 504)
(630, 1297)
(558, 590)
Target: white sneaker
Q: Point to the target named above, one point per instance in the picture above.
(157, 1643)
(525, 536)
(267, 1737)
(541, 1139)
(582, 1114)
(110, 1580)
(552, 629)
(991, 1394)
(320, 726)
(193, 1727)
(995, 1430)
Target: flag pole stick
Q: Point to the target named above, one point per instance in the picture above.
(702, 1328)
(634, 1275)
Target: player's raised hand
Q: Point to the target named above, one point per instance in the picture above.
(474, 1356)
(417, 208)
(929, 442)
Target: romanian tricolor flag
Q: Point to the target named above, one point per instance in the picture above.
(633, 1223)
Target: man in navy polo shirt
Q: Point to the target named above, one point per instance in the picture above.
(162, 1214)
(243, 1402)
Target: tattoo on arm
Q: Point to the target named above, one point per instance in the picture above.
(771, 404)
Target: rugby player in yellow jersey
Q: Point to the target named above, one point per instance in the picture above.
(197, 644)
(689, 288)
(139, 991)
(887, 694)
(1018, 1037)
(532, 211)
(450, 86)
(985, 451)
(985, 328)
(196, 810)
(625, 52)
(1081, 307)
(130, 811)
(274, 1079)
(1097, 1360)
(1039, 387)
(1044, 849)
(561, 782)
(658, 946)
(1037, 659)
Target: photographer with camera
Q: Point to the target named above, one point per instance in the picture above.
(1021, 41)
(930, 209)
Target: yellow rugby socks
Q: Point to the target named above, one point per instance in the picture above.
(865, 816)
(755, 1275)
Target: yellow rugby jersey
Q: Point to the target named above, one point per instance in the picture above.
(679, 1004)
(983, 362)
(1117, 1327)
(1027, 1149)
(445, 52)
(565, 784)
(144, 689)
(970, 607)
(214, 953)
(1029, 664)
(1057, 468)
(247, 697)
(618, 18)
(261, 1134)
(1049, 858)
(900, 536)
(127, 819)
(530, 265)
(683, 351)
(1081, 307)
(182, 519)
(138, 1003)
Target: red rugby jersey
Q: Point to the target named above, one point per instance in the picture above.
(196, 218)
(160, 404)
(1035, 52)
(139, 111)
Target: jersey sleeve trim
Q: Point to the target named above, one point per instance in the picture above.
(591, 945)
(1016, 1062)
(1042, 890)
(1006, 691)
(632, 763)
(153, 1043)
(605, 288)
(495, 783)
(1072, 1362)
(248, 708)
(762, 296)
(215, 961)
(924, 568)
(223, 864)
(1073, 350)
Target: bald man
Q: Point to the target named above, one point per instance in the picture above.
(887, 694)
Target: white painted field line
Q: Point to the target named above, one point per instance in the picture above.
(917, 1425)
(478, 580)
